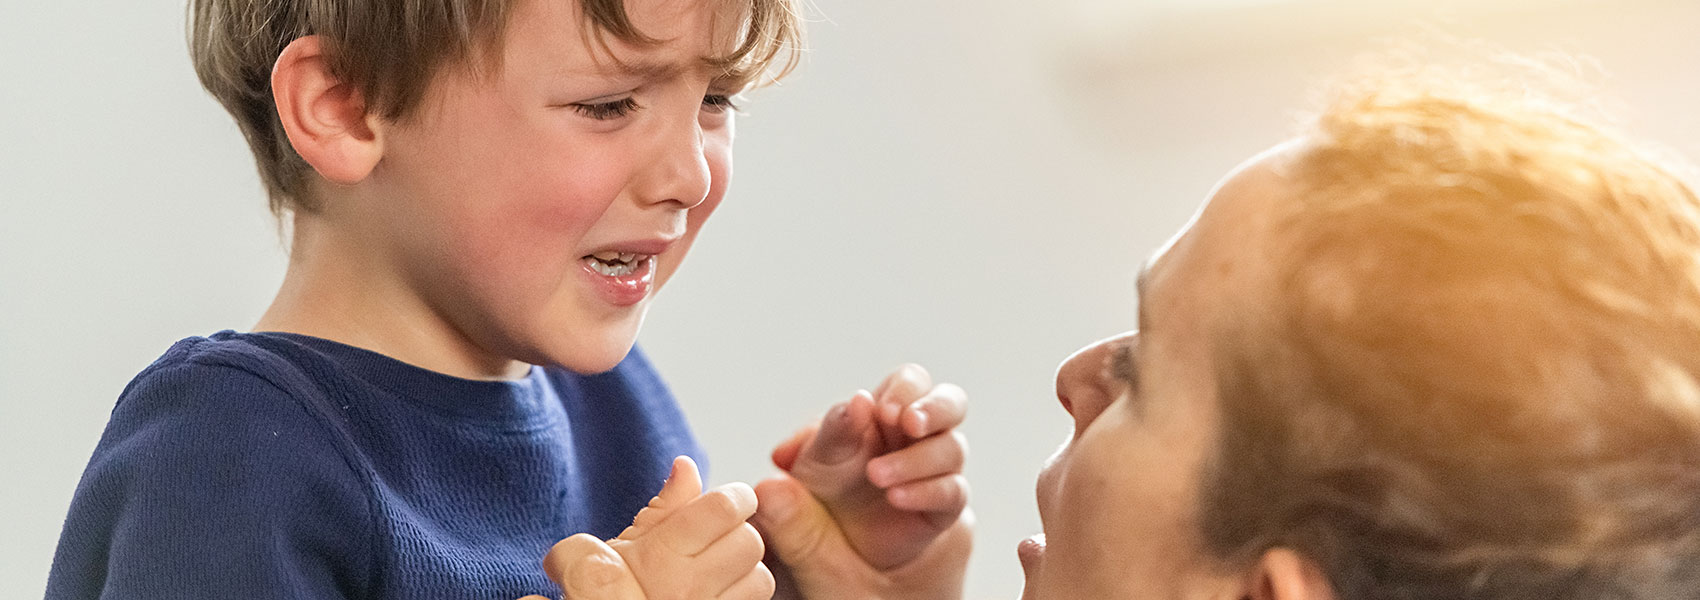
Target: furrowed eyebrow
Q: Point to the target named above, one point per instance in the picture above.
(653, 71)
(639, 70)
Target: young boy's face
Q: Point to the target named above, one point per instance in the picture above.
(536, 209)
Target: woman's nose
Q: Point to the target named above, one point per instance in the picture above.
(1082, 387)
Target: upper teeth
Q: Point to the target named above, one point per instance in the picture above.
(616, 264)
(611, 256)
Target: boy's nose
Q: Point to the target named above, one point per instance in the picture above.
(1082, 385)
(680, 174)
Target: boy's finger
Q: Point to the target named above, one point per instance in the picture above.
(942, 498)
(683, 485)
(587, 568)
(942, 409)
(729, 558)
(842, 432)
(716, 568)
(756, 585)
(692, 527)
(942, 454)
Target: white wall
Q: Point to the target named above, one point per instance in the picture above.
(968, 185)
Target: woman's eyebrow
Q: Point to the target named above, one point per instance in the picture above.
(1124, 364)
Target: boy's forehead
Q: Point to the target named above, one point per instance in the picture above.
(682, 36)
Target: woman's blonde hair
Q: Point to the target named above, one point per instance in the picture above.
(390, 50)
(1478, 372)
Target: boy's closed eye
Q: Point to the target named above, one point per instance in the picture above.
(614, 109)
(604, 111)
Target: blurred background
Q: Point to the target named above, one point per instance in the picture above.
(965, 184)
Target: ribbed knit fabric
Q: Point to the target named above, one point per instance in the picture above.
(269, 465)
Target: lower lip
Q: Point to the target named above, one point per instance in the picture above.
(621, 290)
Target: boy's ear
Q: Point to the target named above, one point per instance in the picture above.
(1282, 574)
(326, 119)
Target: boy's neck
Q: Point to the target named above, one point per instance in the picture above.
(340, 289)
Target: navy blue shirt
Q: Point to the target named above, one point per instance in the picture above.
(268, 465)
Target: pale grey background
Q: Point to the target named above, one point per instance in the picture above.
(965, 184)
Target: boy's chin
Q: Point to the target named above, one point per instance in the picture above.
(583, 346)
(591, 363)
(590, 356)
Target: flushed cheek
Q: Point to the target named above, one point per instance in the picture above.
(525, 248)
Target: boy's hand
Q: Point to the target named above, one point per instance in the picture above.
(588, 569)
(685, 545)
(875, 502)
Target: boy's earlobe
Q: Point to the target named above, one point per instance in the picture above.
(326, 119)
(1282, 574)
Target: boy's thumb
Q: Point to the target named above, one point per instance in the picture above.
(683, 485)
(797, 528)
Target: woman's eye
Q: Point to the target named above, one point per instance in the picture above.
(604, 111)
(718, 103)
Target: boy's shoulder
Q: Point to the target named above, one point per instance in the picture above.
(220, 385)
(214, 453)
(225, 374)
(225, 357)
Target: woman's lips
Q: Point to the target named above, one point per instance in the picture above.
(1031, 551)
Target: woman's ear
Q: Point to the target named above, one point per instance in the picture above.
(326, 119)
(1282, 574)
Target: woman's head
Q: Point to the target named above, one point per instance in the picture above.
(1443, 345)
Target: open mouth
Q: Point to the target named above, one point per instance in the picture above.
(616, 264)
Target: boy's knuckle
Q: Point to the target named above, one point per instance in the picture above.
(731, 503)
(757, 585)
(719, 506)
(765, 584)
(750, 547)
(645, 556)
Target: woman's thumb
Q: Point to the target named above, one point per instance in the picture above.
(797, 528)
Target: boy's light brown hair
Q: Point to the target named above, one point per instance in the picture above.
(390, 49)
(1477, 371)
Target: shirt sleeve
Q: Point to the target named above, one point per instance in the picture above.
(212, 482)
